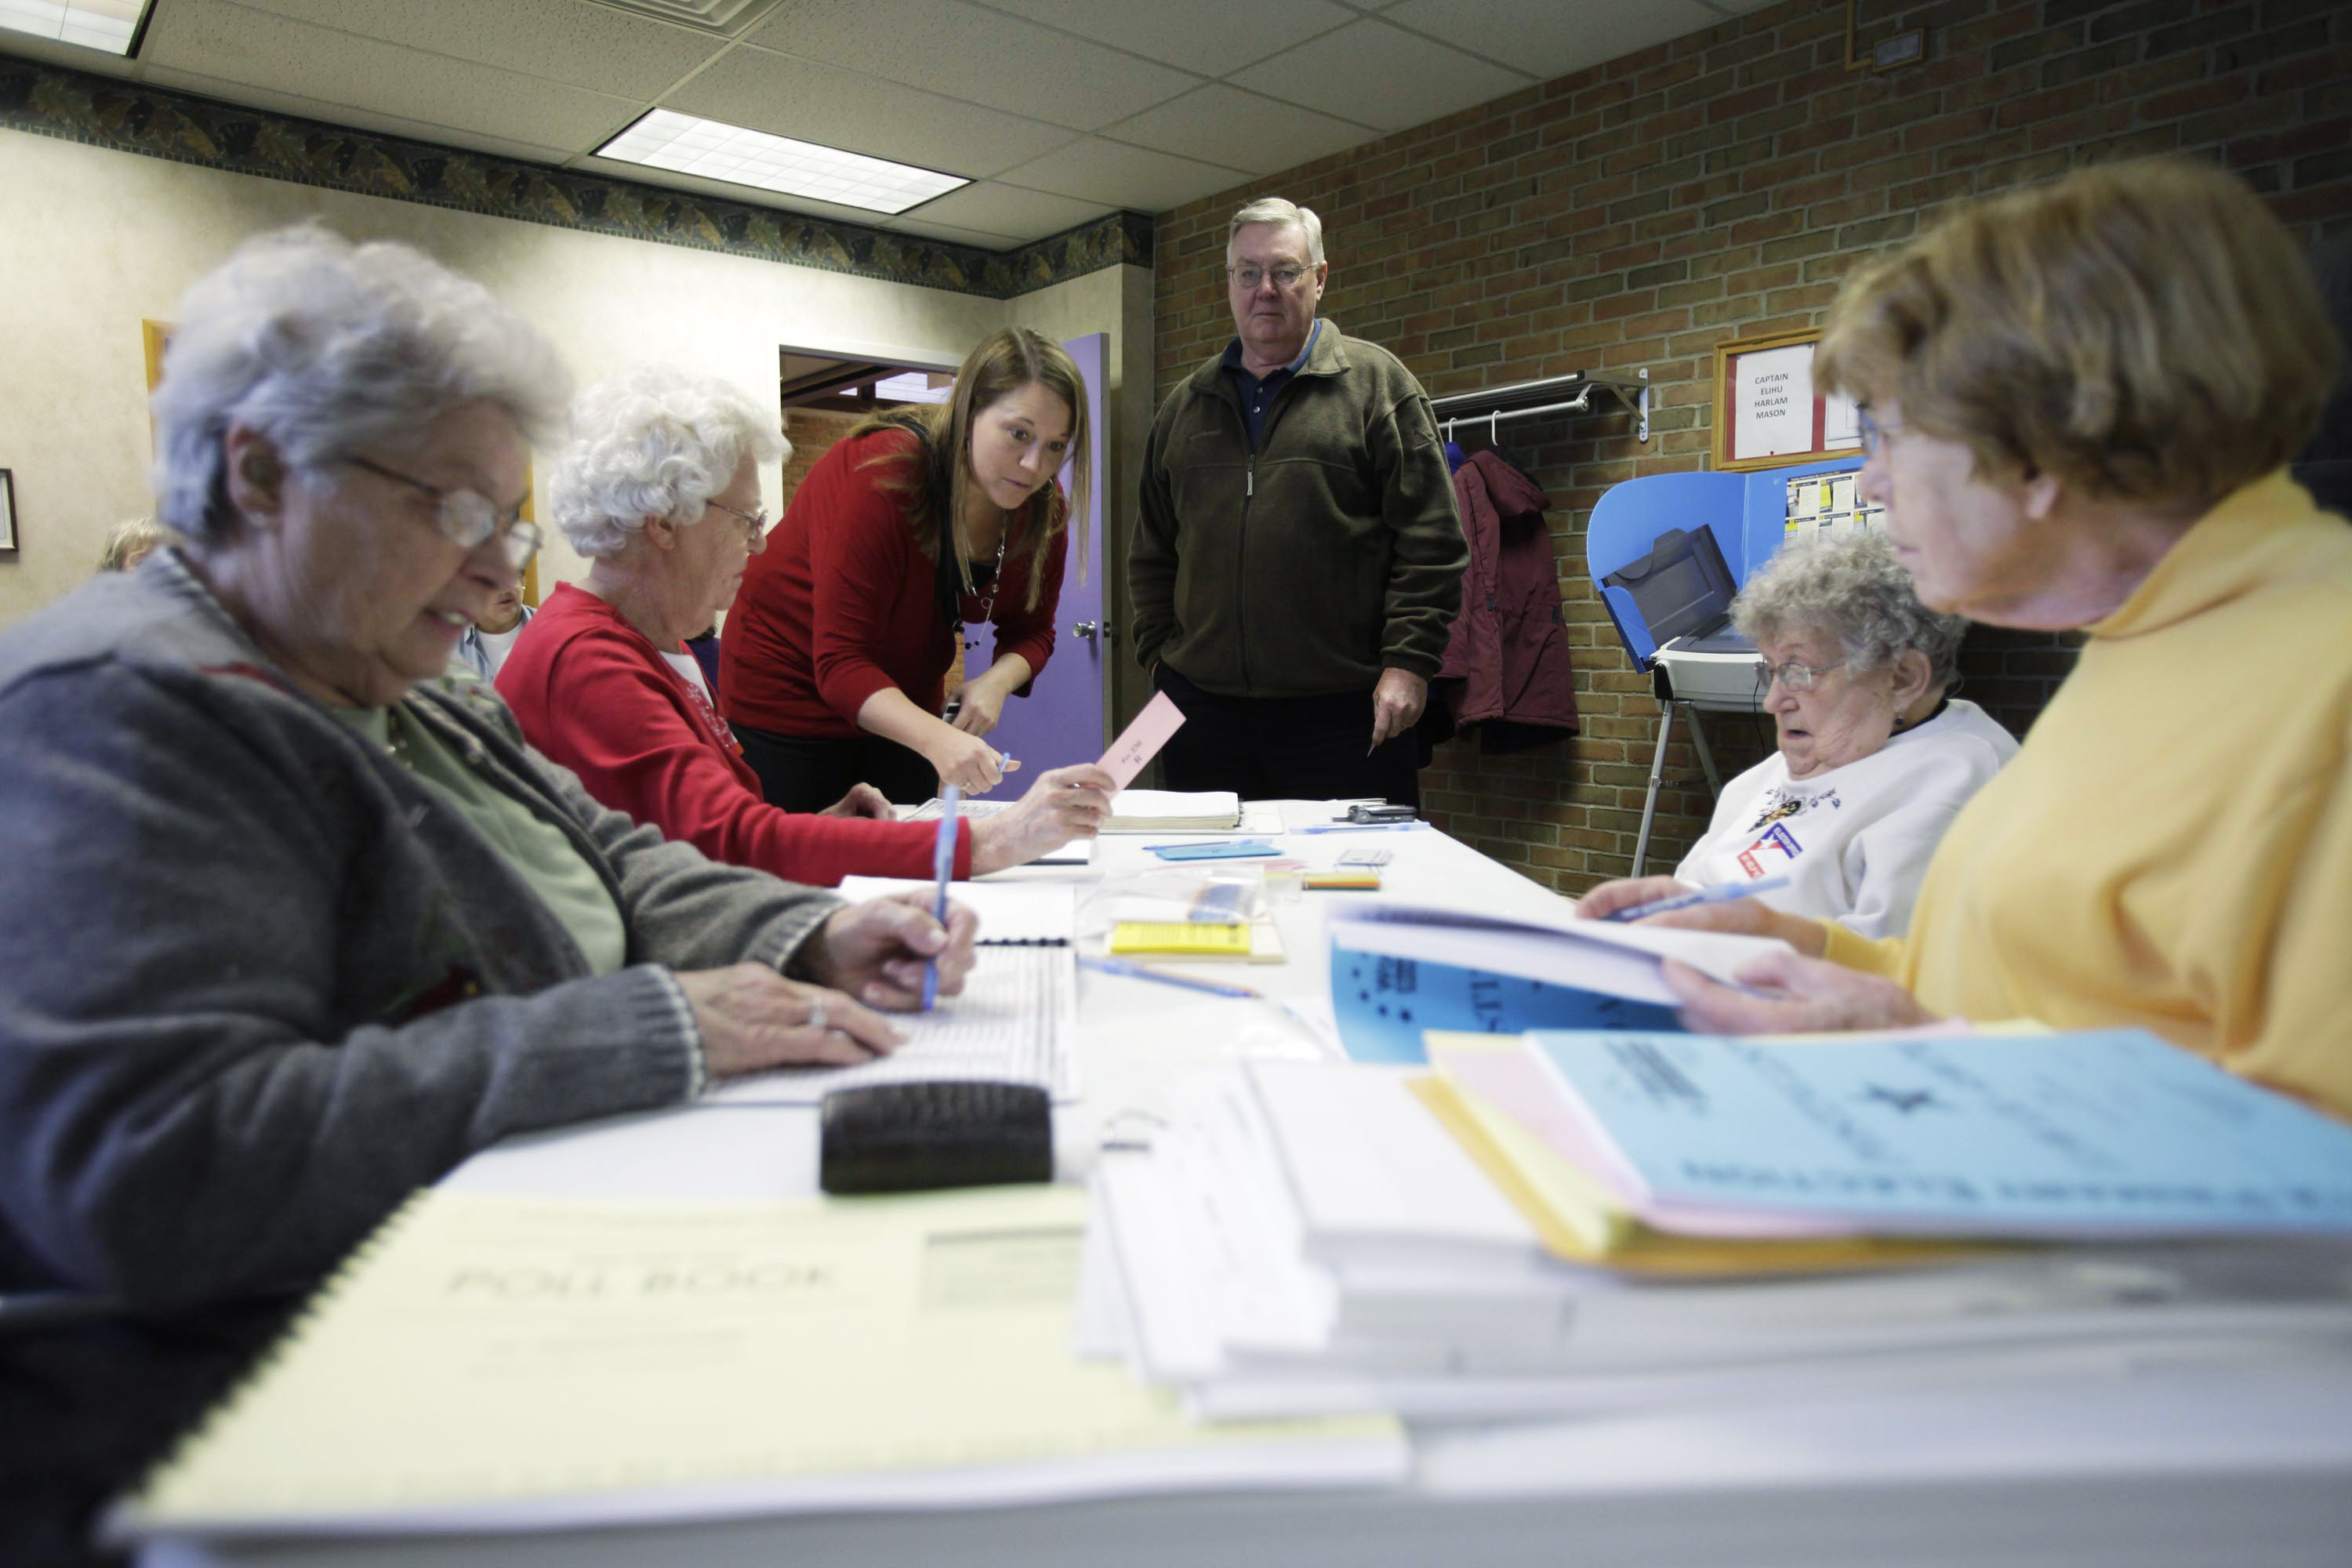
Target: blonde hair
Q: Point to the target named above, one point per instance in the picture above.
(941, 476)
(2146, 333)
(130, 538)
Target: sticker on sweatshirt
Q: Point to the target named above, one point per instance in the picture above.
(1781, 803)
(1758, 859)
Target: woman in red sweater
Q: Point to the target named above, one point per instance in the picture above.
(835, 664)
(659, 486)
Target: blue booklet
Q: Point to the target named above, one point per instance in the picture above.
(1382, 1004)
(2106, 1133)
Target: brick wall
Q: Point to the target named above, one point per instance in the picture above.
(811, 432)
(1718, 187)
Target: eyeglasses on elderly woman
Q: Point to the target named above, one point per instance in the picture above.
(1793, 676)
(466, 518)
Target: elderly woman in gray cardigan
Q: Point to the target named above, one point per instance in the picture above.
(315, 924)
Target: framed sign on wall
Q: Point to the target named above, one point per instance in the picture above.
(7, 514)
(1768, 412)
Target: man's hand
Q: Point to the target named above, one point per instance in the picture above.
(875, 951)
(752, 1018)
(1067, 803)
(1805, 996)
(1397, 702)
(863, 800)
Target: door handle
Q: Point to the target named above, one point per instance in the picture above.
(1086, 629)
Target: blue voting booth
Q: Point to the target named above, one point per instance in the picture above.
(1666, 552)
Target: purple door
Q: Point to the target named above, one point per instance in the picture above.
(1060, 719)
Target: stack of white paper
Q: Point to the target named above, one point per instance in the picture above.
(1174, 811)
(1308, 1239)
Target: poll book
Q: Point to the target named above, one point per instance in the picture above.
(490, 1364)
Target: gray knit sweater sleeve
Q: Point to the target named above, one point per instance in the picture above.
(262, 984)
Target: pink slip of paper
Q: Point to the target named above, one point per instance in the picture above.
(1141, 739)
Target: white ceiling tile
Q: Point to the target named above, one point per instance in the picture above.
(961, 50)
(233, 43)
(1109, 171)
(1548, 38)
(571, 41)
(1371, 71)
(1223, 124)
(344, 115)
(1212, 36)
(991, 208)
(837, 108)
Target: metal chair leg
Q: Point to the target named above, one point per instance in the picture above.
(1657, 776)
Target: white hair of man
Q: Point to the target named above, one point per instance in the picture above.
(329, 347)
(1286, 213)
(1852, 591)
(652, 442)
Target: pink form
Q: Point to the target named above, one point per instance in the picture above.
(1141, 739)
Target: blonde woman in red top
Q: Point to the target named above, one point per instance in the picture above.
(834, 661)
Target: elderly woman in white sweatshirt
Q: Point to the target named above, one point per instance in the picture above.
(1875, 757)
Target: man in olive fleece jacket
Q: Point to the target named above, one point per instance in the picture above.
(1297, 558)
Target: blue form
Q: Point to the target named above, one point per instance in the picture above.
(1383, 1005)
(2100, 1132)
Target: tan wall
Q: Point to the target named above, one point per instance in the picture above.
(120, 237)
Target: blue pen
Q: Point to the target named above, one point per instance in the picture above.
(942, 871)
(1145, 972)
(1723, 893)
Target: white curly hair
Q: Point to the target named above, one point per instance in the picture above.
(1854, 591)
(329, 348)
(652, 442)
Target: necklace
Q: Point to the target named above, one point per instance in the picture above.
(995, 580)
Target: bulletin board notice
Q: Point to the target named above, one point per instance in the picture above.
(1767, 410)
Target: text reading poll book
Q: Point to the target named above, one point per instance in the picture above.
(490, 1363)
(1397, 969)
(2098, 1133)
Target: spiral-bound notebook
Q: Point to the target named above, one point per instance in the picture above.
(497, 1363)
(1012, 914)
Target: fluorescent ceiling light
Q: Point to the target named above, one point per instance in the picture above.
(108, 25)
(687, 145)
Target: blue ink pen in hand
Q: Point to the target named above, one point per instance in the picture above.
(1723, 893)
(942, 869)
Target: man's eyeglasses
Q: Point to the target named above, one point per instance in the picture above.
(1795, 676)
(757, 522)
(466, 517)
(1284, 277)
(1874, 434)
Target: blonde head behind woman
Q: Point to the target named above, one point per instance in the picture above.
(129, 542)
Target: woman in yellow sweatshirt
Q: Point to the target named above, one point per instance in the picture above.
(2078, 403)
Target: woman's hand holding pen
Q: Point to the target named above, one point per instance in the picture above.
(878, 951)
(1742, 917)
(1066, 803)
(966, 761)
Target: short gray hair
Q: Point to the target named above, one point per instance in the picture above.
(327, 348)
(652, 442)
(1854, 591)
(1275, 210)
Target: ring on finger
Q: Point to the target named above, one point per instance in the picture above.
(816, 1019)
